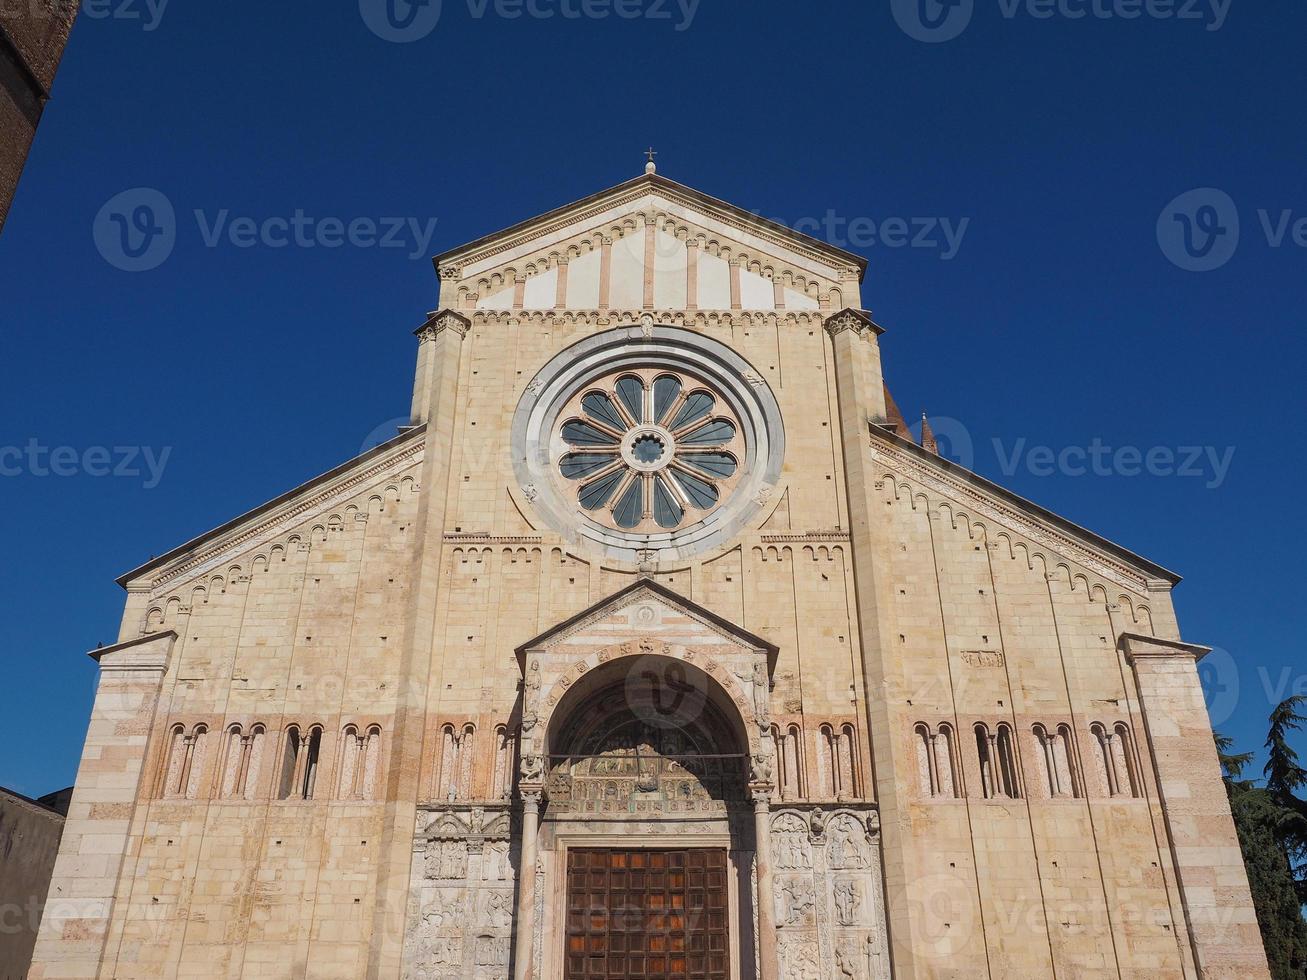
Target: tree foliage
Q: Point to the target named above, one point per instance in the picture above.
(1271, 822)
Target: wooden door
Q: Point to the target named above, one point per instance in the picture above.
(647, 914)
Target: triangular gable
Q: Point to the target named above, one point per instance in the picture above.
(655, 230)
(647, 590)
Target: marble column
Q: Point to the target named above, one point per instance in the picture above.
(524, 945)
(766, 898)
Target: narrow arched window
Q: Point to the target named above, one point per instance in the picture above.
(946, 764)
(313, 748)
(1103, 759)
(1064, 758)
(1008, 782)
(466, 758)
(827, 764)
(170, 781)
(446, 782)
(985, 757)
(351, 770)
(233, 758)
(290, 762)
(1125, 764)
(925, 763)
(371, 763)
(848, 756)
(503, 781)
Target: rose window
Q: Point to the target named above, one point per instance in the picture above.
(649, 450)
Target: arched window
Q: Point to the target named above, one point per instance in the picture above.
(242, 762)
(466, 757)
(502, 786)
(1123, 757)
(848, 756)
(351, 769)
(446, 780)
(925, 763)
(290, 756)
(827, 762)
(946, 762)
(1065, 758)
(184, 768)
(1009, 783)
(998, 762)
(299, 764)
(1103, 759)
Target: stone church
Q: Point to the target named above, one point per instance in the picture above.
(654, 646)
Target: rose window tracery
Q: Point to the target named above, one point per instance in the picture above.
(650, 450)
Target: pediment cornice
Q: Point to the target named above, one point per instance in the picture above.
(648, 195)
(200, 555)
(973, 495)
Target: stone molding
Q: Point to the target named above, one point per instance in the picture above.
(1136, 646)
(634, 194)
(149, 652)
(903, 465)
(216, 547)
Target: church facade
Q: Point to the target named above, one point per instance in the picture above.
(654, 646)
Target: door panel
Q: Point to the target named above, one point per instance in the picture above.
(647, 914)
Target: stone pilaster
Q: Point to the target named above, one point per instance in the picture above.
(1209, 866)
(861, 400)
(443, 335)
(100, 831)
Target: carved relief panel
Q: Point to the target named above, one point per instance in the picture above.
(460, 918)
(830, 913)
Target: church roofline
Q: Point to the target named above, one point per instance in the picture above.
(663, 592)
(192, 545)
(659, 182)
(1084, 536)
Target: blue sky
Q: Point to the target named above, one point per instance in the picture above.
(1053, 147)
